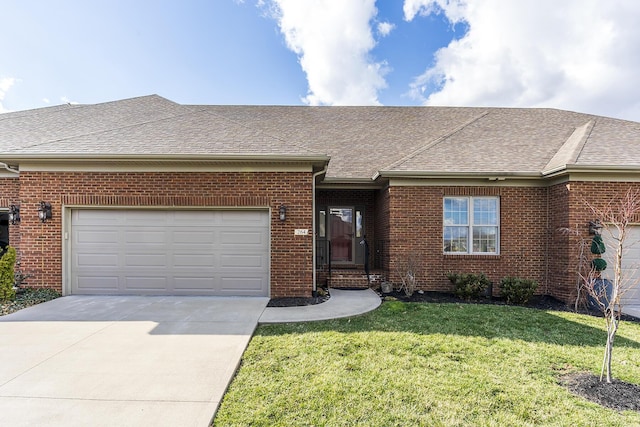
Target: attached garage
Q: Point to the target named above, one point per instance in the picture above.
(169, 252)
(630, 264)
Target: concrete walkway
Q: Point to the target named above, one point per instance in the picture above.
(341, 304)
(136, 361)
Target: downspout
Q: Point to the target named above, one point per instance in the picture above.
(6, 166)
(313, 225)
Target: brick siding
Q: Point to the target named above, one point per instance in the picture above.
(416, 229)
(408, 220)
(571, 211)
(40, 245)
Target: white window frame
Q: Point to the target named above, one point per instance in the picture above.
(470, 225)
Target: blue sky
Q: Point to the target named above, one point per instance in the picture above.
(580, 55)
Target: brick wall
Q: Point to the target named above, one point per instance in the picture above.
(416, 224)
(382, 227)
(291, 256)
(571, 211)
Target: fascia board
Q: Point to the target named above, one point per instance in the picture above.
(167, 157)
(161, 163)
(497, 176)
(595, 171)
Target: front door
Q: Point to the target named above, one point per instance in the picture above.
(345, 229)
(341, 234)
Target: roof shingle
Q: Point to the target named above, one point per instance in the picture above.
(361, 141)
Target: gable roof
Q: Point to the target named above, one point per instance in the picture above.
(363, 143)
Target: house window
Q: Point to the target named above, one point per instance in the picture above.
(471, 225)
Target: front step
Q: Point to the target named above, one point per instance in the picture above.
(356, 279)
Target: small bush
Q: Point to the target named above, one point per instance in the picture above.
(469, 286)
(516, 290)
(7, 264)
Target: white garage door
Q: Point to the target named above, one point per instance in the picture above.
(153, 252)
(630, 264)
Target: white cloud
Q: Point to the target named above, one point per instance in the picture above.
(453, 9)
(576, 54)
(5, 85)
(385, 28)
(332, 40)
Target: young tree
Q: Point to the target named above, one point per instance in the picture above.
(616, 217)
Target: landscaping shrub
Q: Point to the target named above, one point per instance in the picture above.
(469, 286)
(7, 263)
(516, 290)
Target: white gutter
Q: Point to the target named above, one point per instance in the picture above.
(6, 166)
(313, 225)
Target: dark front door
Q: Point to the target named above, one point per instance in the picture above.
(343, 228)
(341, 234)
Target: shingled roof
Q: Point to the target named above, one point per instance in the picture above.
(362, 143)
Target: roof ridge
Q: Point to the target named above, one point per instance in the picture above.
(433, 143)
(52, 109)
(570, 150)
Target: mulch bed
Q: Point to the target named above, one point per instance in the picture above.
(617, 395)
(297, 302)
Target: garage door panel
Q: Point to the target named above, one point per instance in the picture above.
(145, 260)
(97, 237)
(238, 260)
(232, 218)
(151, 252)
(89, 260)
(190, 283)
(192, 237)
(146, 236)
(630, 264)
(151, 282)
(241, 238)
(98, 283)
(241, 284)
(103, 218)
(208, 261)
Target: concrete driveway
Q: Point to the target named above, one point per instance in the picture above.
(125, 361)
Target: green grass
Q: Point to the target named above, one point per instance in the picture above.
(411, 364)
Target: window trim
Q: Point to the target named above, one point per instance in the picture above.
(470, 225)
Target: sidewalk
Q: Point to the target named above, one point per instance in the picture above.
(341, 304)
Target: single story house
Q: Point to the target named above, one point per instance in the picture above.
(147, 196)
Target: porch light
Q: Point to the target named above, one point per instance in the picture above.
(595, 227)
(44, 211)
(283, 212)
(14, 214)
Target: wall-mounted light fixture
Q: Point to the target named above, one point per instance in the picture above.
(283, 212)
(44, 211)
(595, 227)
(14, 214)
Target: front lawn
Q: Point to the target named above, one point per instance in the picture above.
(414, 364)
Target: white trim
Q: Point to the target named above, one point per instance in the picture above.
(470, 225)
(63, 166)
(496, 181)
